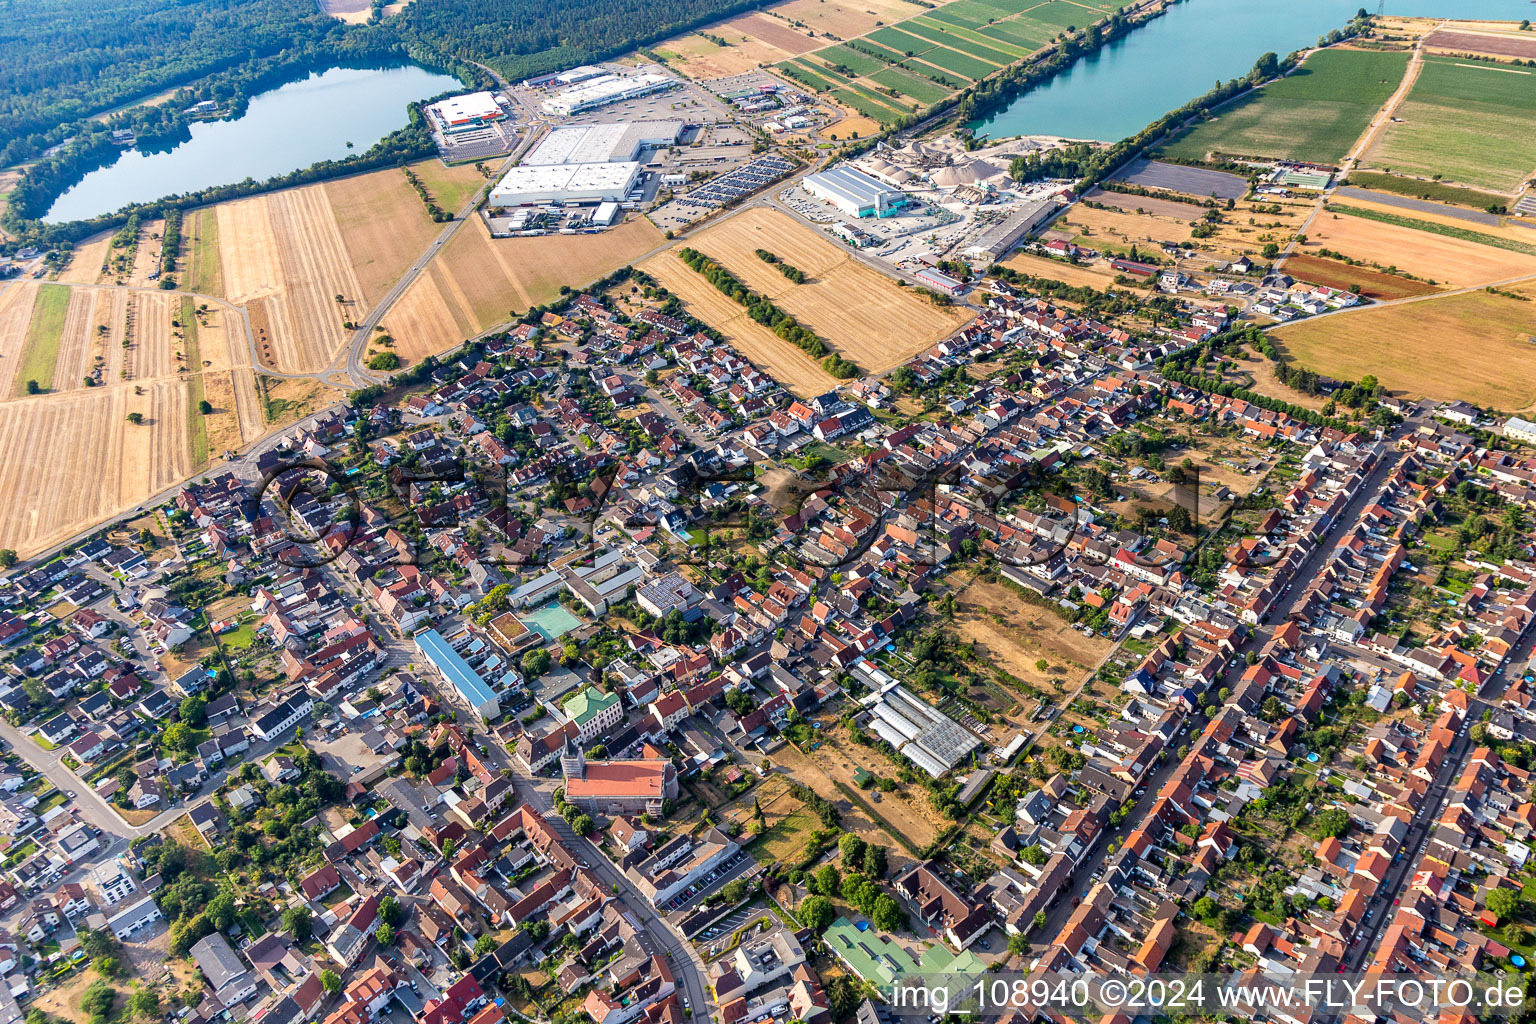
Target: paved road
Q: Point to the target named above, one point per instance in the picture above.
(1082, 880)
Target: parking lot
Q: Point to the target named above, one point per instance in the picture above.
(677, 907)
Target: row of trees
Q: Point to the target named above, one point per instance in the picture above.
(758, 307)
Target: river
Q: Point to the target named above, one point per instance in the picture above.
(1125, 86)
(282, 130)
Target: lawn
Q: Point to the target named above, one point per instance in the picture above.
(1316, 113)
(44, 332)
(1409, 346)
(785, 840)
(1468, 121)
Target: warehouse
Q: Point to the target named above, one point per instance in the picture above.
(619, 142)
(466, 113)
(943, 282)
(603, 90)
(854, 192)
(1000, 239)
(565, 183)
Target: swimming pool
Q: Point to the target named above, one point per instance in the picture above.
(551, 622)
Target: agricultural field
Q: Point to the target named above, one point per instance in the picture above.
(45, 330)
(1467, 121)
(1335, 274)
(886, 327)
(384, 225)
(80, 460)
(1515, 44)
(1430, 257)
(1089, 275)
(283, 255)
(894, 64)
(479, 281)
(1316, 113)
(1407, 347)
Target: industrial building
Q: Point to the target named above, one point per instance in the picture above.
(999, 239)
(923, 734)
(854, 192)
(940, 280)
(466, 113)
(619, 142)
(603, 90)
(565, 183)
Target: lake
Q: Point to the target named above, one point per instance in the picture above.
(282, 130)
(1125, 86)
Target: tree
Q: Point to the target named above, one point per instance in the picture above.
(734, 891)
(144, 1004)
(484, 944)
(98, 1001)
(297, 922)
(1018, 945)
(535, 663)
(583, 824)
(852, 849)
(816, 913)
(1033, 854)
(828, 881)
(1503, 902)
(384, 361)
(447, 849)
(205, 407)
(193, 710)
(135, 418)
(886, 914)
(179, 737)
(34, 388)
(330, 981)
(221, 909)
(874, 861)
(7, 557)
(385, 934)
(390, 911)
(1039, 921)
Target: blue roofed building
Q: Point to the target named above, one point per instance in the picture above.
(477, 693)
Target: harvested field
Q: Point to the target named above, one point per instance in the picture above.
(885, 327)
(1433, 257)
(818, 772)
(74, 460)
(76, 344)
(1407, 347)
(1158, 207)
(1373, 283)
(1097, 276)
(1494, 44)
(286, 249)
(16, 302)
(383, 225)
(89, 256)
(780, 360)
(842, 19)
(478, 281)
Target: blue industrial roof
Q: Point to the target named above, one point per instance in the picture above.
(454, 668)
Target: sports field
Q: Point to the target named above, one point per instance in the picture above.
(1468, 121)
(1475, 347)
(1314, 114)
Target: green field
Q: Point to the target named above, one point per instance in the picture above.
(843, 56)
(959, 63)
(197, 424)
(901, 42)
(908, 84)
(972, 40)
(950, 36)
(1434, 191)
(1315, 114)
(798, 70)
(864, 43)
(44, 332)
(1468, 121)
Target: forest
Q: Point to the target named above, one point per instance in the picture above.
(138, 64)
